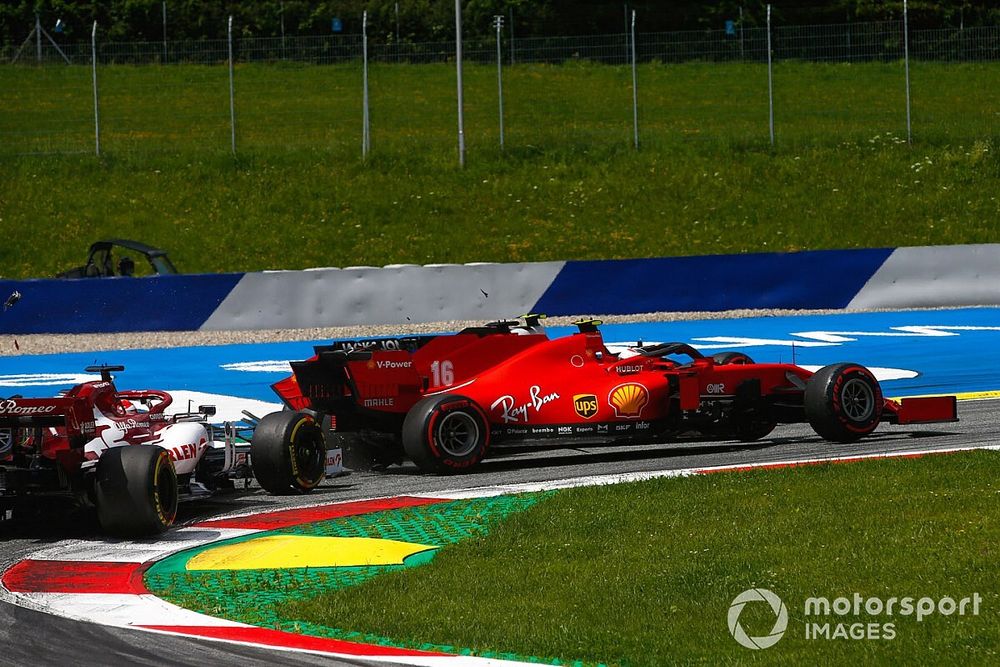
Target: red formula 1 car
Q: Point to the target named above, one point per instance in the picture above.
(123, 454)
(447, 400)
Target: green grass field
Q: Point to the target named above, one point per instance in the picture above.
(568, 186)
(644, 574)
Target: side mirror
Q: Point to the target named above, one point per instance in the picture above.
(207, 410)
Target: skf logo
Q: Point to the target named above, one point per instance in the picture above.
(628, 400)
(585, 405)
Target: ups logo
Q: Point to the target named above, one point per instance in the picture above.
(585, 405)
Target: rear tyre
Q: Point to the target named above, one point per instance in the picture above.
(136, 490)
(723, 358)
(288, 453)
(843, 402)
(446, 434)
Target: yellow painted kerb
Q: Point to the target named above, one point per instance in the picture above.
(291, 551)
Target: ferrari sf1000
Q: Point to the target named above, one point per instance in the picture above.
(447, 401)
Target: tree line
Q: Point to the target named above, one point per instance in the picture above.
(433, 20)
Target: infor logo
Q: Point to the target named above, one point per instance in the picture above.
(756, 595)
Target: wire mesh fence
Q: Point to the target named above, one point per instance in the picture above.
(831, 83)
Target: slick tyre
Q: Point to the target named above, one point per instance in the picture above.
(288, 453)
(723, 358)
(446, 434)
(135, 490)
(843, 402)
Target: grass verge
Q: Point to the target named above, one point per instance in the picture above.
(644, 574)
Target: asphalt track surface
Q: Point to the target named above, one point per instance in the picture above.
(943, 361)
(33, 638)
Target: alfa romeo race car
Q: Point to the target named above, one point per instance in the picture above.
(122, 453)
(447, 400)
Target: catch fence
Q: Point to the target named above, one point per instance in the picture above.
(830, 82)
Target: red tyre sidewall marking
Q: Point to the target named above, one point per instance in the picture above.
(444, 409)
(838, 406)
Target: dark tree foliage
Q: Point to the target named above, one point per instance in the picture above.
(430, 20)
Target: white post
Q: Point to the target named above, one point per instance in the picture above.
(365, 117)
(770, 78)
(282, 12)
(635, 88)
(906, 61)
(97, 112)
(741, 33)
(396, 41)
(164, 32)
(232, 90)
(38, 38)
(458, 66)
(498, 23)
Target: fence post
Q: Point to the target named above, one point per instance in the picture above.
(38, 38)
(232, 91)
(97, 108)
(635, 89)
(458, 67)
(906, 62)
(164, 32)
(282, 14)
(498, 24)
(770, 79)
(365, 117)
(741, 34)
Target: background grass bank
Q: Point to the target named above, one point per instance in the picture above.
(644, 574)
(568, 186)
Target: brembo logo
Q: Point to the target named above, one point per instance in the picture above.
(11, 407)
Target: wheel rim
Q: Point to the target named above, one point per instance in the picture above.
(166, 492)
(858, 400)
(310, 457)
(457, 433)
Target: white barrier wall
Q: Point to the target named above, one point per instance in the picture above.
(397, 295)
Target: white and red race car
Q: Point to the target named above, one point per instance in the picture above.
(123, 453)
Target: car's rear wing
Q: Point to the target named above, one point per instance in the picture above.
(74, 414)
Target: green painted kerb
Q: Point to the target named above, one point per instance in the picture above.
(255, 596)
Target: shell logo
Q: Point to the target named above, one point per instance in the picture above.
(628, 400)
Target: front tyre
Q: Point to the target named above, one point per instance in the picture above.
(843, 402)
(446, 434)
(288, 453)
(136, 490)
